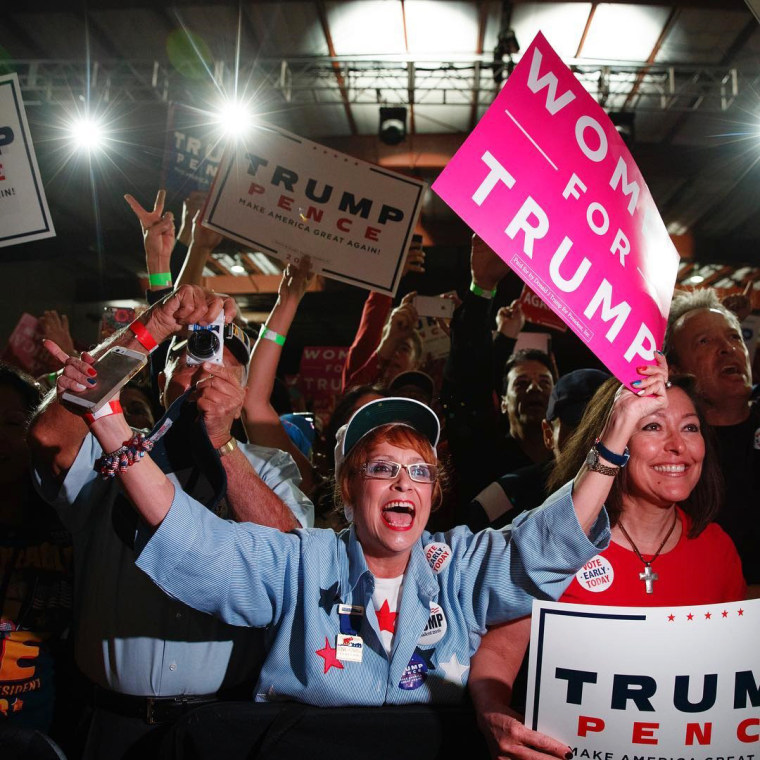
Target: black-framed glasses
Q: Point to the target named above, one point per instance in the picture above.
(381, 469)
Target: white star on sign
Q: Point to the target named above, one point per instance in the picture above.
(454, 670)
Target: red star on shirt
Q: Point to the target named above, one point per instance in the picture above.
(725, 613)
(708, 616)
(328, 654)
(386, 618)
(671, 618)
(741, 612)
(690, 616)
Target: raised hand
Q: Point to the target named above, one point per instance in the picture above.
(78, 373)
(219, 397)
(295, 281)
(510, 319)
(487, 269)
(189, 304)
(158, 231)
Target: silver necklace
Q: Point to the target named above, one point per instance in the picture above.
(648, 576)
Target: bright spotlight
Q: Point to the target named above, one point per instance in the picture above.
(235, 118)
(88, 134)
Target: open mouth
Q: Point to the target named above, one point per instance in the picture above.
(671, 470)
(399, 515)
(732, 370)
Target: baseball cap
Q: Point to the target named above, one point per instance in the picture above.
(571, 394)
(415, 378)
(385, 411)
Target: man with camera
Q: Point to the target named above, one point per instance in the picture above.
(148, 658)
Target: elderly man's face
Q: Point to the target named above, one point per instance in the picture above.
(181, 376)
(709, 345)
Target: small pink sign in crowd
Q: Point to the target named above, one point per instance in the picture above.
(548, 183)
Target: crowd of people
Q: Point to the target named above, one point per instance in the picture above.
(192, 570)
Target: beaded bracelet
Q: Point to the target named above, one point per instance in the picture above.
(132, 451)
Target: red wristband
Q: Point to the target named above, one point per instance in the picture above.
(142, 336)
(112, 407)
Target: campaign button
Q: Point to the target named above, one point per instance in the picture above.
(414, 674)
(596, 575)
(436, 626)
(438, 556)
(349, 648)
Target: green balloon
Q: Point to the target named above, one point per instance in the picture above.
(189, 54)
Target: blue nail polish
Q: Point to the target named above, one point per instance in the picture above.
(91, 380)
(636, 383)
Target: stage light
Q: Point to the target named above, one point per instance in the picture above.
(392, 125)
(235, 118)
(88, 134)
(237, 269)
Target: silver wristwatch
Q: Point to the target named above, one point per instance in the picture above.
(593, 463)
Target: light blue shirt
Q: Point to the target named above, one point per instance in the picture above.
(294, 583)
(130, 637)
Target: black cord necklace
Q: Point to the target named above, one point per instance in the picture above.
(648, 576)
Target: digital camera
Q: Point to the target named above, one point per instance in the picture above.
(205, 343)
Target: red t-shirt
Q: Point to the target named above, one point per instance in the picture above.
(701, 570)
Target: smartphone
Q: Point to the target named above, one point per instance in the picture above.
(434, 306)
(115, 368)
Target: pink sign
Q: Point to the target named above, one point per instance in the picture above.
(547, 182)
(23, 344)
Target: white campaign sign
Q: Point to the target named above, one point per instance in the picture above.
(647, 683)
(24, 213)
(289, 197)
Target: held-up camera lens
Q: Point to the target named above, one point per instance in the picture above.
(203, 344)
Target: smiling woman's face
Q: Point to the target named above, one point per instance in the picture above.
(390, 515)
(667, 452)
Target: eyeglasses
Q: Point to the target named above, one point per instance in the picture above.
(419, 472)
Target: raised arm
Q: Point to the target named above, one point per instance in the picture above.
(56, 434)
(262, 422)
(204, 242)
(158, 240)
(590, 489)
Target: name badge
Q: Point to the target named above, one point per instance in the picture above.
(349, 648)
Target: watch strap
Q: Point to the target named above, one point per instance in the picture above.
(227, 448)
(619, 460)
(593, 463)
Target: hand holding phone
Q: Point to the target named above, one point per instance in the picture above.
(434, 306)
(115, 369)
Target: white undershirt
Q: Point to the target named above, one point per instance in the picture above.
(386, 598)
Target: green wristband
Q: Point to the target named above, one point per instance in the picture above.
(268, 334)
(160, 280)
(478, 291)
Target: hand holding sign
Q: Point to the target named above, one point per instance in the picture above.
(487, 269)
(549, 185)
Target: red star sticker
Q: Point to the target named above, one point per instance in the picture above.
(741, 612)
(328, 654)
(725, 613)
(707, 615)
(386, 618)
(671, 618)
(690, 616)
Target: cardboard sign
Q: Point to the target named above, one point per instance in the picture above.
(537, 312)
(192, 153)
(547, 182)
(23, 344)
(24, 213)
(286, 196)
(618, 683)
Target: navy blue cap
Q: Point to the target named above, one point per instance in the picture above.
(571, 394)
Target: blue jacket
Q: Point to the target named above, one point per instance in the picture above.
(455, 585)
